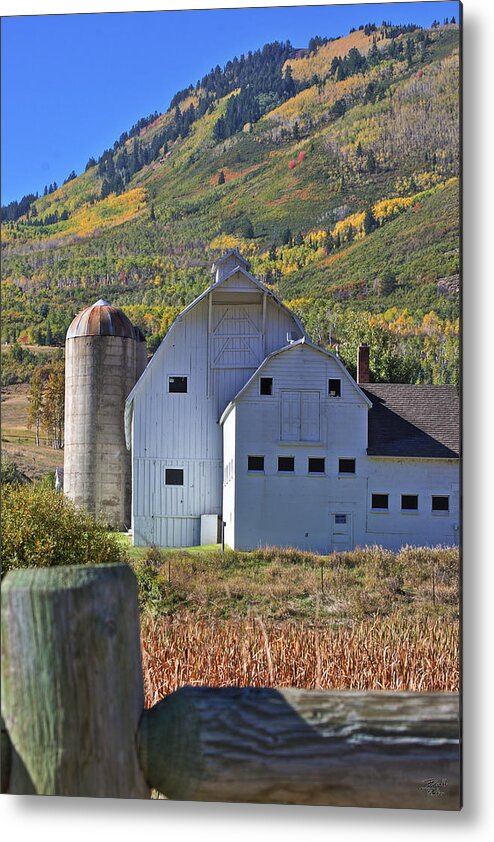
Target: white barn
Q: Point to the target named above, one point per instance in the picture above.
(173, 412)
(308, 463)
(239, 419)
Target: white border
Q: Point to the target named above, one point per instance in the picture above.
(77, 819)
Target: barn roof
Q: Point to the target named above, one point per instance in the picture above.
(287, 348)
(418, 421)
(161, 349)
(226, 256)
(101, 319)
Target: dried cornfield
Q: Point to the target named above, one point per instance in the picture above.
(382, 653)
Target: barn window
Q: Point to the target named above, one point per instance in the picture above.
(334, 387)
(177, 384)
(409, 502)
(380, 501)
(286, 463)
(174, 476)
(266, 386)
(346, 466)
(255, 463)
(440, 503)
(316, 466)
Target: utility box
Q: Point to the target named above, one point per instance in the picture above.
(210, 529)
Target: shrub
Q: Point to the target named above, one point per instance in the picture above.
(42, 528)
(10, 473)
(157, 595)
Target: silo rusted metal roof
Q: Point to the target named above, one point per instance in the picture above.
(101, 319)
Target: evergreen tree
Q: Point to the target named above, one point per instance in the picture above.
(374, 56)
(286, 237)
(221, 177)
(290, 89)
(371, 162)
(105, 189)
(247, 229)
(370, 223)
(387, 282)
(330, 244)
(409, 51)
(118, 185)
(338, 108)
(152, 215)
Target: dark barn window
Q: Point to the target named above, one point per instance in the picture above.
(255, 463)
(334, 388)
(266, 386)
(316, 466)
(379, 501)
(346, 466)
(286, 463)
(440, 503)
(174, 476)
(409, 502)
(177, 384)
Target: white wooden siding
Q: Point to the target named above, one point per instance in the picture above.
(217, 344)
(300, 510)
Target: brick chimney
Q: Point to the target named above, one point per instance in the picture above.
(363, 373)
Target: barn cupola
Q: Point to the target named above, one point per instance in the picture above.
(227, 263)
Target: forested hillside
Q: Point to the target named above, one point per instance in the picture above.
(333, 168)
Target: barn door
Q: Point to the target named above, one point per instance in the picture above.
(300, 415)
(341, 532)
(237, 338)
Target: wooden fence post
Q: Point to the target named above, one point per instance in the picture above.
(340, 748)
(72, 689)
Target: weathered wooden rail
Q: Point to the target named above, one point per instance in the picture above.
(72, 701)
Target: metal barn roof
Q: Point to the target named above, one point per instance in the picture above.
(101, 319)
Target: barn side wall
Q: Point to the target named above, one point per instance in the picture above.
(328, 511)
(217, 345)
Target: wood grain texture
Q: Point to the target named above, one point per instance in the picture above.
(72, 691)
(379, 749)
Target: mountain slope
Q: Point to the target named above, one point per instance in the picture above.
(346, 169)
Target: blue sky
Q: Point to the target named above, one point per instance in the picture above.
(71, 84)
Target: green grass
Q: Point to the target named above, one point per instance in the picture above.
(281, 584)
(135, 553)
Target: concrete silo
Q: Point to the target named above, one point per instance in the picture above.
(104, 357)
